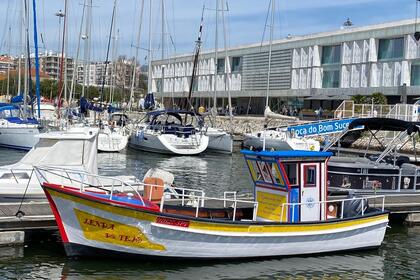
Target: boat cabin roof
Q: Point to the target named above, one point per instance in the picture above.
(287, 154)
(386, 124)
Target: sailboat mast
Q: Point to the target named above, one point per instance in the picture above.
(76, 61)
(195, 63)
(229, 69)
(60, 81)
(86, 68)
(133, 78)
(20, 50)
(273, 6)
(216, 58)
(149, 52)
(107, 50)
(163, 49)
(8, 65)
(38, 82)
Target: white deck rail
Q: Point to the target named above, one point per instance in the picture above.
(363, 200)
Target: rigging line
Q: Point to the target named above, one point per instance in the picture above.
(266, 22)
(107, 51)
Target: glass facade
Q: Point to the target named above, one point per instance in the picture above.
(415, 74)
(331, 78)
(391, 48)
(220, 66)
(236, 64)
(331, 54)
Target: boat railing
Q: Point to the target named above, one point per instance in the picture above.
(87, 181)
(403, 182)
(363, 200)
(16, 174)
(174, 191)
(199, 202)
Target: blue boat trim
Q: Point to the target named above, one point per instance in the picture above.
(23, 148)
(287, 154)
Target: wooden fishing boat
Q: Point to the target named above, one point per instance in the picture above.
(290, 215)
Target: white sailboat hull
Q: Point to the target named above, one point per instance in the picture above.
(112, 142)
(219, 141)
(21, 138)
(169, 143)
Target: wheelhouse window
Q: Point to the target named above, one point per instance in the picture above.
(391, 48)
(415, 74)
(331, 78)
(310, 176)
(291, 172)
(236, 64)
(331, 55)
(220, 65)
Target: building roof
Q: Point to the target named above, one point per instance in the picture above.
(400, 27)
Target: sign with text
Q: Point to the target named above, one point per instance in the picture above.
(319, 128)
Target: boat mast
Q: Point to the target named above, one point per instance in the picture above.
(195, 63)
(38, 82)
(216, 47)
(8, 66)
(60, 80)
(163, 50)
(22, 50)
(229, 69)
(149, 52)
(86, 52)
(28, 58)
(76, 61)
(133, 78)
(273, 6)
(19, 52)
(107, 50)
(113, 68)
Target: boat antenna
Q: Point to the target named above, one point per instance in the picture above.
(107, 51)
(196, 56)
(416, 33)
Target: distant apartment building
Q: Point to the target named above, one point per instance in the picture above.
(7, 62)
(356, 60)
(50, 63)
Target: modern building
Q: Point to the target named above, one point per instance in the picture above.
(304, 69)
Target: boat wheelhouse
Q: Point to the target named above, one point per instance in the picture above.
(170, 132)
(290, 215)
(384, 171)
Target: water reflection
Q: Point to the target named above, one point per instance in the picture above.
(365, 266)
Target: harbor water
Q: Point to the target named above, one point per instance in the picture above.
(44, 257)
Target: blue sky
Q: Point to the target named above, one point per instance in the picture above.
(245, 20)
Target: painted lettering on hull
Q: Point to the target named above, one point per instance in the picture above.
(104, 230)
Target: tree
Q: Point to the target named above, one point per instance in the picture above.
(359, 99)
(378, 98)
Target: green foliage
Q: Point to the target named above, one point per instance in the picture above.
(377, 98)
(359, 99)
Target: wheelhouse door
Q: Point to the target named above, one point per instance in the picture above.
(310, 191)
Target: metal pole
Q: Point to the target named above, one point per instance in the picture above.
(133, 78)
(216, 45)
(273, 6)
(229, 69)
(149, 52)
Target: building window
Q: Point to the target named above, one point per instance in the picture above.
(331, 78)
(220, 66)
(331, 54)
(236, 64)
(391, 48)
(415, 74)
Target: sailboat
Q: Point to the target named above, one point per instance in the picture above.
(277, 138)
(17, 129)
